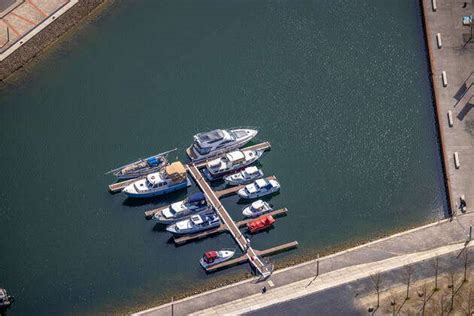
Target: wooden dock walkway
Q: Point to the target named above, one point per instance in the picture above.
(244, 258)
(119, 186)
(262, 268)
(223, 228)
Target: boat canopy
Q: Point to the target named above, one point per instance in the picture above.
(235, 156)
(197, 197)
(251, 170)
(210, 137)
(211, 255)
(258, 204)
(153, 162)
(196, 220)
(261, 183)
(176, 170)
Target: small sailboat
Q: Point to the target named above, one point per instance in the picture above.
(195, 224)
(214, 257)
(257, 208)
(230, 162)
(218, 141)
(195, 204)
(245, 176)
(259, 188)
(169, 179)
(141, 167)
(260, 223)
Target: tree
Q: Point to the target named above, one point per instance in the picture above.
(408, 274)
(452, 276)
(376, 280)
(466, 259)
(436, 270)
(424, 298)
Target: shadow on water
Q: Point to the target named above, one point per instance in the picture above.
(158, 200)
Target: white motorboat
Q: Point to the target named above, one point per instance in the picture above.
(213, 257)
(230, 162)
(260, 187)
(169, 179)
(257, 208)
(245, 176)
(195, 204)
(218, 141)
(195, 223)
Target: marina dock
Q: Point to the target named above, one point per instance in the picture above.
(119, 186)
(244, 258)
(263, 269)
(223, 228)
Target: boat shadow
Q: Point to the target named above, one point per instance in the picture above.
(157, 201)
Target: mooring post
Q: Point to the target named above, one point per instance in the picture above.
(317, 265)
(172, 305)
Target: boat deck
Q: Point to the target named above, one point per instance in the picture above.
(119, 186)
(223, 228)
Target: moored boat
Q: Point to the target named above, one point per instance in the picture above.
(230, 162)
(212, 143)
(257, 208)
(258, 188)
(169, 179)
(214, 257)
(194, 204)
(141, 167)
(260, 223)
(5, 300)
(195, 224)
(245, 176)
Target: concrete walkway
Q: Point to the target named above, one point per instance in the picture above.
(456, 58)
(423, 240)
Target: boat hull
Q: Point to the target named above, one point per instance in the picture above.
(229, 181)
(191, 231)
(169, 189)
(167, 221)
(256, 195)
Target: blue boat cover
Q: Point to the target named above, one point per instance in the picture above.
(196, 197)
(153, 162)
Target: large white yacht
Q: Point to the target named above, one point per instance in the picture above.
(218, 141)
(230, 162)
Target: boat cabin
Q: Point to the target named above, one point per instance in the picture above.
(210, 256)
(196, 220)
(262, 183)
(204, 142)
(175, 171)
(258, 205)
(251, 170)
(198, 199)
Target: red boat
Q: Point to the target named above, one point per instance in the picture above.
(260, 223)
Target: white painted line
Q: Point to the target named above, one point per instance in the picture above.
(450, 118)
(438, 40)
(270, 282)
(456, 160)
(445, 79)
(37, 29)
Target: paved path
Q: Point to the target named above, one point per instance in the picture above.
(440, 234)
(457, 59)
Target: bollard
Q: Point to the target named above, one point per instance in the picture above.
(456, 160)
(438, 40)
(433, 5)
(450, 119)
(444, 78)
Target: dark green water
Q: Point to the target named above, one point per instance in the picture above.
(340, 88)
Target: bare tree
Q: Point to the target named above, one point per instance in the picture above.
(436, 270)
(376, 280)
(442, 304)
(466, 259)
(452, 276)
(467, 302)
(424, 298)
(408, 274)
(393, 303)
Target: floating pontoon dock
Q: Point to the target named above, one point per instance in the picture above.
(244, 258)
(223, 228)
(265, 270)
(119, 186)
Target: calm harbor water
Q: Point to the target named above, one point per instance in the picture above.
(341, 89)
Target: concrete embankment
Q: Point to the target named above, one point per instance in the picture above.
(47, 36)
